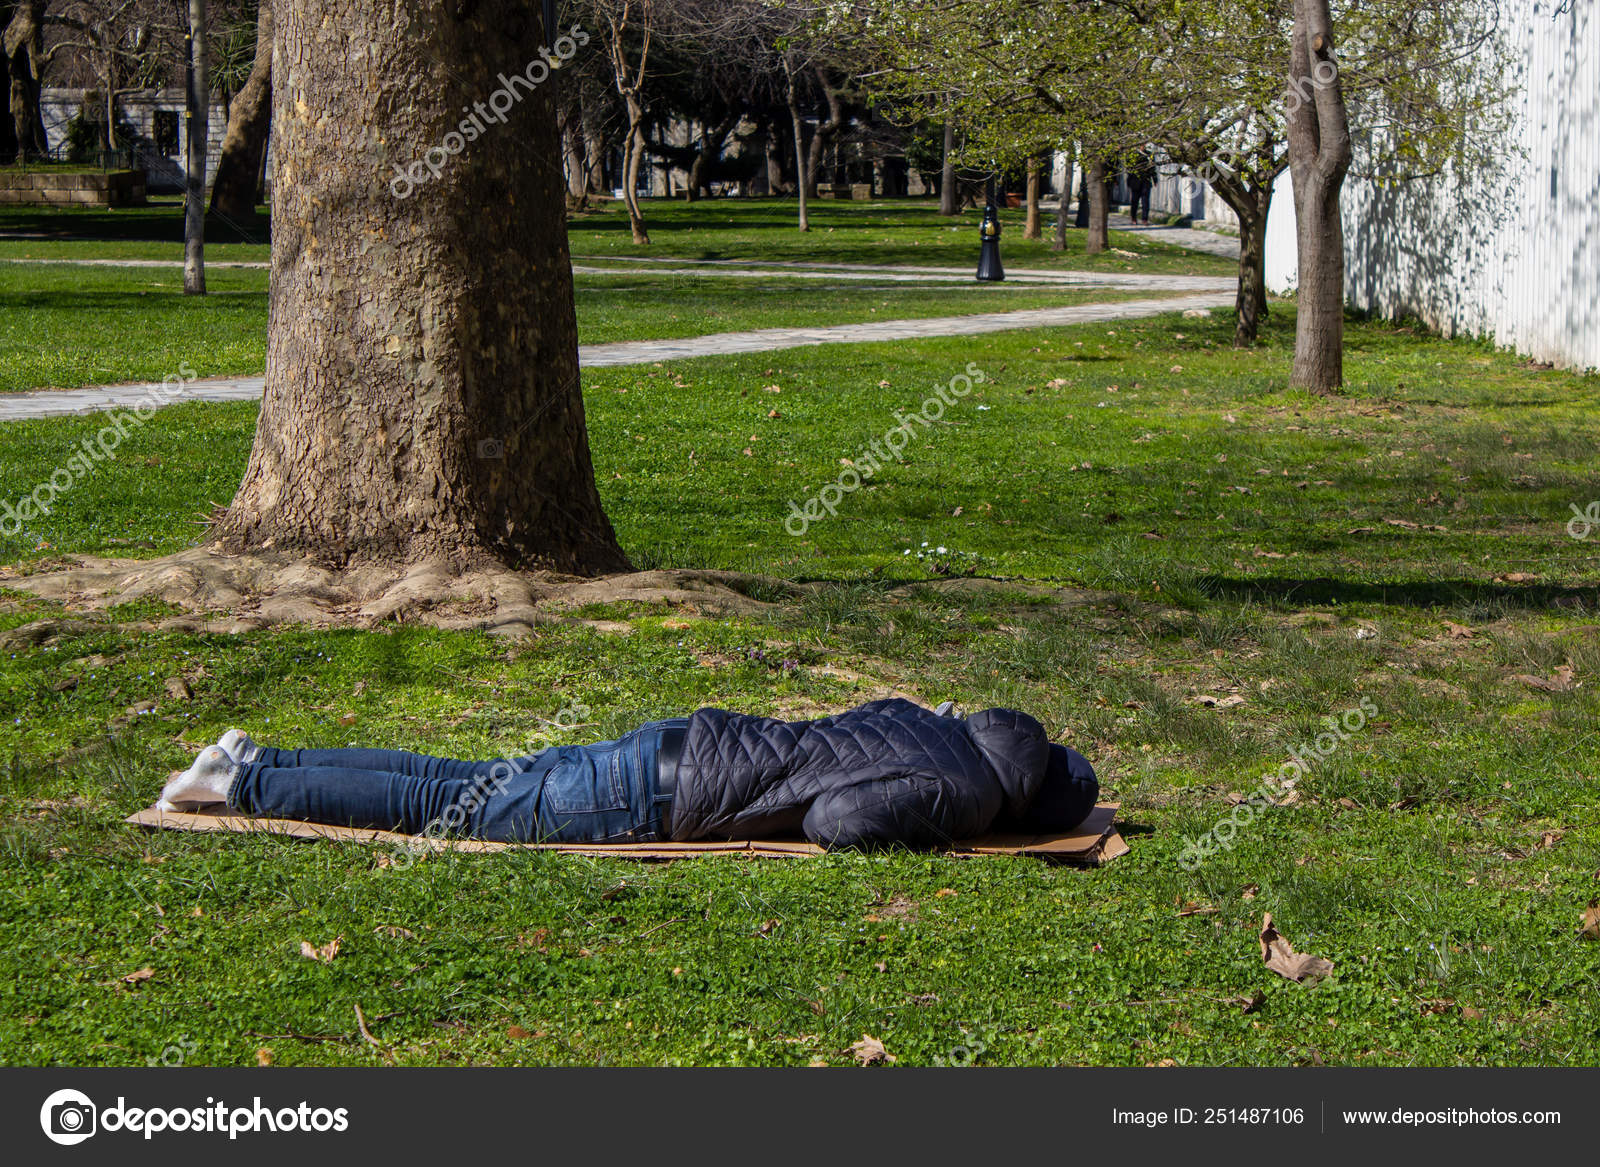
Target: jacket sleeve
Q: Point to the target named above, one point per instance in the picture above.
(916, 810)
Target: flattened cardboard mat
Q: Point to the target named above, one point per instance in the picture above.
(1095, 840)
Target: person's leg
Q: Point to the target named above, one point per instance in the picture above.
(454, 799)
(382, 761)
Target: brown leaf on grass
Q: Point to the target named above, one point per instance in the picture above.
(178, 689)
(139, 975)
(1559, 681)
(1516, 577)
(1547, 840)
(263, 1056)
(347, 720)
(945, 891)
(1360, 530)
(1282, 959)
(325, 953)
(1406, 523)
(1197, 910)
(766, 927)
(1213, 702)
(1254, 1002)
(1591, 921)
(869, 1051)
(1249, 891)
(396, 931)
(1470, 1014)
(1458, 631)
(517, 1033)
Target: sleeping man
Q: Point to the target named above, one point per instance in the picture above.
(886, 773)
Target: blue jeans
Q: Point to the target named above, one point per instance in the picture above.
(605, 792)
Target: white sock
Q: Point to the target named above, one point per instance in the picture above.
(204, 783)
(238, 746)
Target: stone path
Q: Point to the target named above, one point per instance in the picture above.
(59, 402)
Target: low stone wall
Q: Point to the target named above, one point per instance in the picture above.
(46, 188)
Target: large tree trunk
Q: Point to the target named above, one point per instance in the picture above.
(23, 43)
(198, 110)
(632, 163)
(1058, 240)
(1251, 205)
(711, 139)
(594, 148)
(422, 398)
(777, 143)
(244, 146)
(826, 131)
(1031, 226)
(1099, 236)
(1319, 156)
(947, 172)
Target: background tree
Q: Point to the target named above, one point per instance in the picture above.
(244, 146)
(422, 399)
(22, 64)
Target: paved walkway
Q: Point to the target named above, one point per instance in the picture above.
(59, 402)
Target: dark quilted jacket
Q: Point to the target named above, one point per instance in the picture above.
(888, 772)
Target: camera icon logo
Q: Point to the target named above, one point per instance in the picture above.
(68, 1117)
(492, 449)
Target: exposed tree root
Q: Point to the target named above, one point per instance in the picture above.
(239, 593)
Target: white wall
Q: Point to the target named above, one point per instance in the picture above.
(1513, 253)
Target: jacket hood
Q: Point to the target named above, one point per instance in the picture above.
(1017, 750)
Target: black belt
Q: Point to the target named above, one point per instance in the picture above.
(668, 752)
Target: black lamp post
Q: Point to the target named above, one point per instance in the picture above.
(989, 267)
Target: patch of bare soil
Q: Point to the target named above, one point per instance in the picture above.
(240, 593)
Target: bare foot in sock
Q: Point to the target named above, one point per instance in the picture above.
(204, 783)
(238, 746)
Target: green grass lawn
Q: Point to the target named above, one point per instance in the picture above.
(892, 231)
(1259, 560)
(143, 328)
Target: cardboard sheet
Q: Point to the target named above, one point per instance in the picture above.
(1095, 841)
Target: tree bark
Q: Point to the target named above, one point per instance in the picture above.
(422, 397)
(244, 146)
(1031, 225)
(23, 43)
(826, 131)
(711, 139)
(198, 102)
(594, 148)
(1058, 239)
(802, 183)
(1099, 234)
(633, 161)
(1250, 205)
(947, 172)
(1319, 156)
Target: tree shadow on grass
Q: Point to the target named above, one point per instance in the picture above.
(1433, 593)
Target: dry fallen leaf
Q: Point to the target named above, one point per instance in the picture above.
(142, 974)
(263, 1056)
(1591, 921)
(869, 1051)
(325, 954)
(1407, 523)
(1516, 577)
(945, 891)
(396, 931)
(1249, 891)
(1558, 682)
(1282, 959)
(1458, 631)
(517, 1033)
